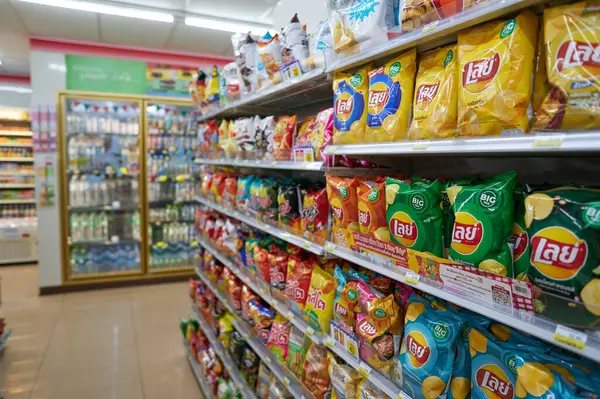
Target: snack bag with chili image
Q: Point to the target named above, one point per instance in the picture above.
(315, 374)
(414, 214)
(350, 92)
(283, 139)
(318, 311)
(279, 337)
(371, 208)
(299, 274)
(230, 192)
(315, 212)
(289, 201)
(341, 193)
(483, 220)
(262, 317)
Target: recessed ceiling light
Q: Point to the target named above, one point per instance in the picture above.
(227, 25)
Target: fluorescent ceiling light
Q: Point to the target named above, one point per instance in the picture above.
(106, 9)
(17, 89)
(0, 62)
(227, 25)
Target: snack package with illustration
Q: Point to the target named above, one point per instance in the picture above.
(269, 50)
(315, 372)
(318, 310)
(435, 105)
(279, 337)
(267, 200)
(371, 208)
(246, 55)
(265, 136)
(297, 345)
(343, 201)
(322, 130)
(245, 135)
(299, 272)
(278, 264)
(283, 138)
(289, 200)
(254, 197)
(428, 351)
(483, 219)
(367, 390)
(295, 51)
(418, 13)
(303, 138)
(390, 97)
(346, 299)
(344, 379)
(248, 297)
(320, 46)
(315, 212)
(414, 214)
(243, 192)
(496, 65)
(563, 225)
(229, 194)
(249, 367)
(263, 319)
(350, 93)
(571, 35)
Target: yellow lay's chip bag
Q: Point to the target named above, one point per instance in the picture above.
(390, 95)
(496, 63)
(350, 106)
(572, 47)
(435, 104)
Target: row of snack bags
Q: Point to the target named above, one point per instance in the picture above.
(543, 234)
(358, 25)
(482, 85)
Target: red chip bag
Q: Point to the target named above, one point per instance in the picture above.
(298, 281)
(283, 139)
(230, 192)
(315, 212)
(247, 296)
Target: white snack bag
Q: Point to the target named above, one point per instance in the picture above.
(267, 131)
(321, 46)
(295, 49)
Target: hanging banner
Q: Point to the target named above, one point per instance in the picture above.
(106, 75)
(169, 80)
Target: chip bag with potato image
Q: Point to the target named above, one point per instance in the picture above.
(318, 310)
(390, 97)
(483, 220)
(343, 201)
(563, 225)
(496, 64)
(435, 105)
(371, 208)
(414, 214)
(350, 92)
(572, 45)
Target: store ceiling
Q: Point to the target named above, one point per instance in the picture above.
(20, 20)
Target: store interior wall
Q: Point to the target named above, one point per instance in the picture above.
(12, 99)
(310, 12)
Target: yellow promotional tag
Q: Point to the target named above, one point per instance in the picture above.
(306, 245)
(286, 381)
(180, 178)
(330, 247)
(568, 336)
(364, 370)
(330, 342)
(411, 277)
(123, 171)
(352, 348)
(309, 331)
(430, 27)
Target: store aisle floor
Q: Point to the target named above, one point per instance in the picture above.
(109, 344)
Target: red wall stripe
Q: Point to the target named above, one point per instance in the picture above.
(15, 79)
(132, 53)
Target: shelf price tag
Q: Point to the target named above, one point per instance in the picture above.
(291, 316)
(420, 147)
(268, 360)
(364, 370)
(352, 347)
(286, 382)
(569, 336)
(330, 247)
(430, 27)
(306, 244)
(330, 149)
(330, 342)
(114, 239)
(116, 204)
(411, 277)
(309, 331)
(550, 141)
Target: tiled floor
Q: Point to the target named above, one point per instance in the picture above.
(109, 344)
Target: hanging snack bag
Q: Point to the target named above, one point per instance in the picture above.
(296, 350)
(289, 201)
(571, 37)
(390, 97)
(435, 105)
(279, 337)
(344, 379)
(341, 193)
(269, 51)
(295, 50)
(563, 225)
(496, 64)
(283, 138)
(414, 214)
(319, 303)
(428, 351)
(350, 93)
(263, 320)
(299, 274)
(483, 219)
(315, 372)
(315, 212)
(371, 208)
(356, 25)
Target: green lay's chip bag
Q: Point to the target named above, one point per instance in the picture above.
(428, 350)
(414, 214)
(520, 237)
(483, 223)
(448, 221)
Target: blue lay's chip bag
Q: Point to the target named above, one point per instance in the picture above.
(391, 89)
(428, 351)
(350, 107)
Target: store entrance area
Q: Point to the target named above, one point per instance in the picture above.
(117, 343)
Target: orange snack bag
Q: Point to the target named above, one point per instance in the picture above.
(371, 207)
(283, 138)
(343, 200)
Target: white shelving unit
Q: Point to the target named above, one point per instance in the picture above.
(11, 133)
(197, 369)
(261, 164)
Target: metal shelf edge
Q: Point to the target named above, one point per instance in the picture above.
(262, 164)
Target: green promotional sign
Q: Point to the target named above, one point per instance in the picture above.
(108, 75)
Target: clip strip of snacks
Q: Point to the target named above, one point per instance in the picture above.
(389, 329)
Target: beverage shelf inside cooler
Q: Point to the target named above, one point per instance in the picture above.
(104, 208)
(17, 185)
(102, 243)
(262, 164)
(17, 201)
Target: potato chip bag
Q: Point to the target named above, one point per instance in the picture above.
(315, 212)
(344, 305)
(414, 214)
(230, 192)
(447, 209)
(283, 138)
(483, 219)
(496, 63)
(419, 13)
(541, 86)
(435, 106)
(341, 193)
(289, 201)
(563, 225)
(350, 93)
(279, 337)
(321, 130)
(305, 130)
(520, 247)
(206, 184)
(318, 311)
(572, 47)
(263, 318)
(243, 192)
(298, 342)
(390, 97)
(267, 200)
(278, 271)
(315, 372)
(460, 382)
(344, 379)
(428, 351)
(298, 282)
(367, 390)
(371, 208)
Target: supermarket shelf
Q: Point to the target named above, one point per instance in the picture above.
(524, 321)
(294, 386)
(16, 145)
(196, 368)
(232, 368)
(262, 164)
(23, 201)
(16, 159)
(102, 243)
(11, 133)
(16, 261)
(436, 33)
(17, 185)
(311, 88)
(535, 144)
(17, 173)
(267, 228)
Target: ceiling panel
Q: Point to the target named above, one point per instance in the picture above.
(58, 22)
(198, 40)
(167, 4)
(133, 32)
(14, 42)
(245, 10)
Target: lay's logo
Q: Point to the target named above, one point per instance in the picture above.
(572, 54)
(493, 382)
(418, 349)
(521, 240)
(426, 93)
(467, 233)
(366, 328)
(404, 229)
(557, 253)
(480, 73)
(344, 106)
(378, 98)
(364, 218)
(337, 209)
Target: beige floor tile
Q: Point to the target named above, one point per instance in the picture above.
(170, 379)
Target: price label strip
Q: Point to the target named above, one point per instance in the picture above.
(411, 277)
(569, 336)
(364, 370)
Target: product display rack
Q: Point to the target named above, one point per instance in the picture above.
(197, 370)
(262, 164)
